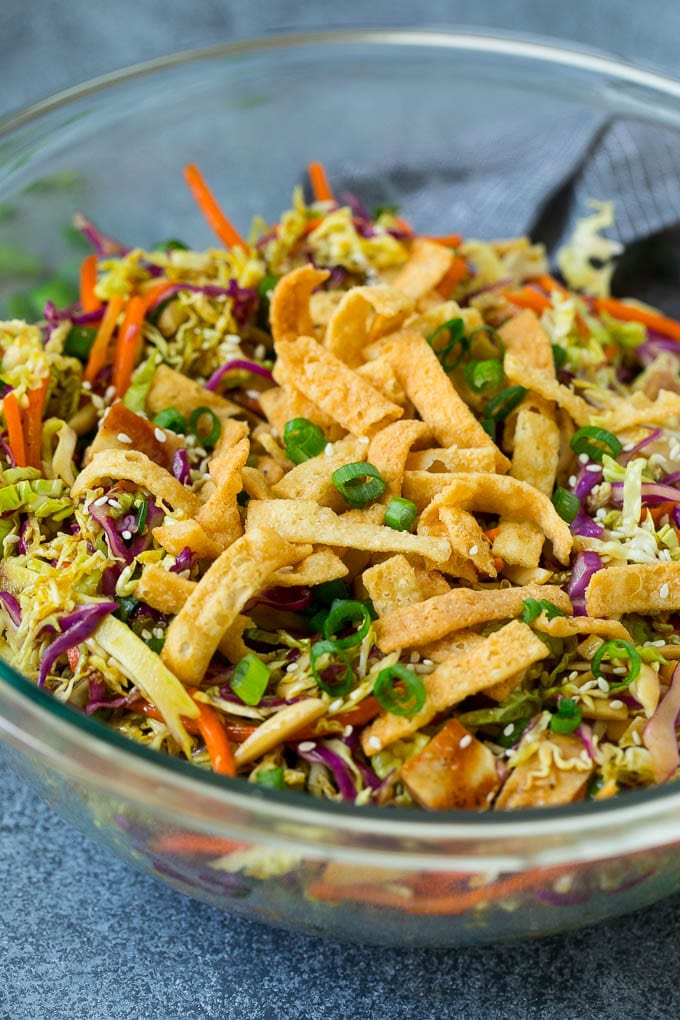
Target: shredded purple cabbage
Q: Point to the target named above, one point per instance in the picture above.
(649, 351)
(341, 773)
(585, 565)
(241, 364)
(97, 696)
(12, 606)
(244, 299)
(183, 561)
(291, 599)
(653, 493)
(102, 244)
(629, 454)
(180, 466)
(75, 628)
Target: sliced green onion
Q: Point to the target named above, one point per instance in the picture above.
(504, 403)
(595, 442)
(142, 514)
(400, 514)
(340, 616)
(126, 606)
(568, 716)
(326, 593)
(399, 690)
(302, 440)
(206, 439)
(566, 504)
(515, 730)
(491, 334)
(273, 779)
(359, 483)
(266, 285)
(250, 679)
(531, 610)
(339, 686)
(559, 356)
(489, 427)
(617, 649)
(480, 375)
(449, 355)
(79, 342)
(170, 418)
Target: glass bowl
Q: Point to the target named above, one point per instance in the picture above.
(253, 115)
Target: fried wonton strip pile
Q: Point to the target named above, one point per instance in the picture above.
(458, 609)
(289, 313)
(508, 650)
(526, 338)
(427, 264)
(638, 409)
(389, 450)
(634, 588)
(173, 389)
(313, 479)
(364, 314)
(240, 572)
(544, 383)
(133, 466)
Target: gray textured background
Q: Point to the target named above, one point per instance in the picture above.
(82, 937)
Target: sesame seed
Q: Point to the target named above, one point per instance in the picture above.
(11, 539)
(86, 385)
(593, 467)
(473, 550)
(307, 745)
(336, 705)
(374, 743)
(348, 731)
(583, 458)
(616, 703)
(260, 352)
(572, 481)
(414, 657)
(291, 667)
(354, 695)
(663, 591)
(427, 662)
(115, 504)
(364, 440)
(636, 737)
(602, 684)
(146, 635)
(110, 393)
(97, 402)
(127, 535)
(508, 730)
(123, 437)
(465, 741)
(328, 449)
(628, 447)
(160, 435)
(100, 501)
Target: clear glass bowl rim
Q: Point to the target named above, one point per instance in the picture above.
(617, 823)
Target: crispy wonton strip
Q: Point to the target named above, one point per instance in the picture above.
(177, 535)
(518, 371)
(567, 626)
(313, 479)
(634, 588)
(282, 404)
(458, 609)
(167, 592)
(379, 373)
(304, 521)
(524, 335)
(502, 654)
(452, 458)
(278, 728)
(427, 263)
(289, 309)
(363, 315)
(321, 565)
(219, 516)
(172, 389)
(255, 484)
(238, 573)
(638, 409)
(390, 448)
(467, 538)
(335, 388)
(136, 467)
(485, 493)
(429, 388)
(392, 584)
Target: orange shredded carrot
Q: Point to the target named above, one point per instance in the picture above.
(448, 240)
(193, 843)
(498, 563)
(403, 225)
(100, 347)
(33, 419)
(363, 713)
(319, 180)
(528, 297)
(151, 296)
(89, 301)
(659, 511)
(215, 736)
(455, 274)
(491, 534)
(236, 731)
(207, 203)
(15, 429)
(127, 345)
(631, 313)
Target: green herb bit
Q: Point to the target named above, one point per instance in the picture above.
(79, 342)
(250, 679)
(566, 504)
(512, 732)
(559, 356)
(273, 779)
(197, 425)
(302, 440)
(617, 649)
(359, 483)
(399, 690)
(595, 443)
(532, 609)
(482, 375)
(340, 616)
(170, 418)
(400, 514)
(449, 355)
(568, 716)
(504, 403)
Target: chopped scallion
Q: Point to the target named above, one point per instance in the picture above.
(359, 483)
(249, 679)
(400, 514)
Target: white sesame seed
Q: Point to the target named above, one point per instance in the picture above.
(593, 467)
(291, 667)
(509, 729)
(364, 440)
(473, 550)
(427, 662)
(328, 449)
(354, 695)
(572, 481)
(616, 703)
(260, 352)
(348, 731)
(160, 435)
(11, 539)
(115, 504)
(374, 743)
(110, 393)
(100, 501)
(602, 684)
(86, 385)
(628, 447)
(146, 635)
(307, 745)
(123, 437)
(97, 402)
(336, 705)
(583, 458)
(414, 657)
(663, 591)
(127, 535)
(636, 737)
(465, 741)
